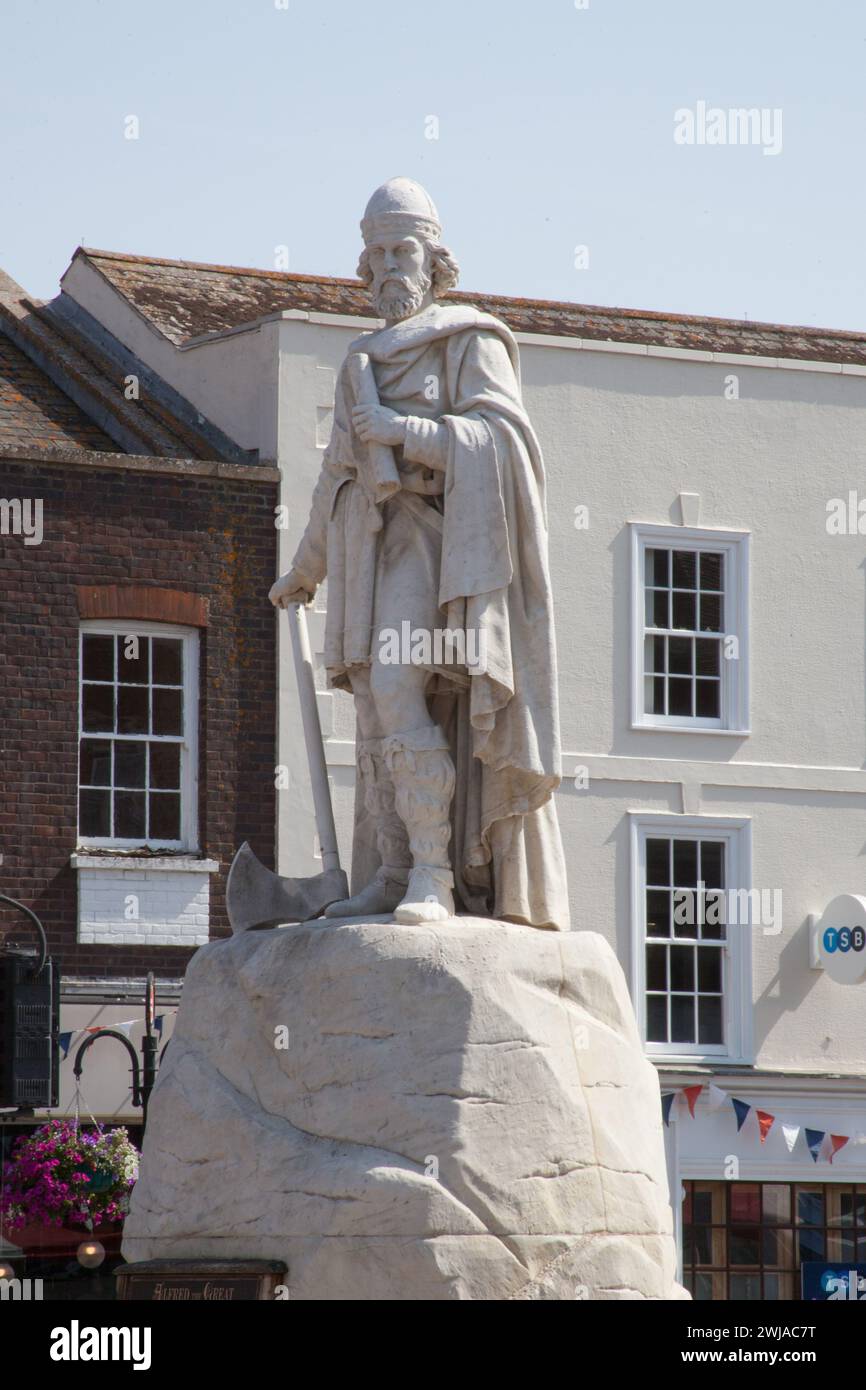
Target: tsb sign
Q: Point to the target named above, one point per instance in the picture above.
(841, 940)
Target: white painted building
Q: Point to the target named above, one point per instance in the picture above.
(712, 643)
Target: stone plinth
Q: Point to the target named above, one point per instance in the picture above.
(462, 1111)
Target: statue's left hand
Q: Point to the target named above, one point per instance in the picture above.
(378, 425)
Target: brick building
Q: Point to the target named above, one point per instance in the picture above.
(137, 668)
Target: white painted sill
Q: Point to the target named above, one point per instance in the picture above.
(167, 863)
(689, 729)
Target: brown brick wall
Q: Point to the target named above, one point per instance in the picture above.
(210, 537)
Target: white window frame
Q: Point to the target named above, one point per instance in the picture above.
(188, 743)
(735, 673)
(737, 1009)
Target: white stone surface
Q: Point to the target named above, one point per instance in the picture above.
(143, 907)
(463, 1112)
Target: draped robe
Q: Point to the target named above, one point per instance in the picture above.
(484, 526)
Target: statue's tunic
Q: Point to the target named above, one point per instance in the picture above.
(464, 549)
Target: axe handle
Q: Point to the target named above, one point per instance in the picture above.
(313, 737)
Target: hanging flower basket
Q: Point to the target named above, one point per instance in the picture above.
(64, 1185)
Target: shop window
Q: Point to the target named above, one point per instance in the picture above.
(748, 1240)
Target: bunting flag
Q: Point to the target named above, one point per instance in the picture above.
(716, 1097)
(837, 1142)
(765, 1122)
(158, 1021)
(65, 1039)
(691, 1094)
(814, 1140)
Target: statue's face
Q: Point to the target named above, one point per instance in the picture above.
(401, 275)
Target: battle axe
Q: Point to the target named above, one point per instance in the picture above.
(256, 897)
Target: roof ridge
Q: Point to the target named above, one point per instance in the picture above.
(290, 278)
(280, 275)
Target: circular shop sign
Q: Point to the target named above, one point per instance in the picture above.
(842, 939)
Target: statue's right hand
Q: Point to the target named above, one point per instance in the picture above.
(290, 588)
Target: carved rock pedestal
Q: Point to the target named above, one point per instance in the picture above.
(454, 1111)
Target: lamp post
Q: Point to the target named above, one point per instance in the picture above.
(144, 1074)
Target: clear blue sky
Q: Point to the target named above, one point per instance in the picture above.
(261, 127)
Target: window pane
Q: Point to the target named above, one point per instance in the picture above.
(698, 1246)
(680, 655)
(711, 613)
(712, 570)
(164, 816)
(709, 1287)
(713, 863)
(745, 1245)
(707, 651)
(129, 811)
(707, 699)
(165, 765)
(685, 610)
(167, 661)
(710, 1021)
(658, 695)
(710, 970)
(94, 813)
(95, 768)
(682, 967)
(776, 1202)
(686, 863)
(657, 567)
(98, 658)
(658, 913)
(167, 712)
(744, 1287)
(132, 709)
(129, 764)
(656, 967)
(682, 1019)
(810, 1244)
(656, 1018)
(778, 1248)
(660, 608)
(810, 1206)
(685, 912)
(98, 708)
(745, 1204)
(658, 862)
(680, 696)
(685, 569)
(129, 666)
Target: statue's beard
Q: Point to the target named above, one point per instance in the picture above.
(400, 300)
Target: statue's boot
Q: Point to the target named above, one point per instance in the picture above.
(388, 886)
(423, 778)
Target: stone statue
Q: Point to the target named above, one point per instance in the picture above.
(511, 1060)
(429, 522)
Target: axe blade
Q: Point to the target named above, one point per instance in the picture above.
(257, 898)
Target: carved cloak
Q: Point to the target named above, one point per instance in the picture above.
(460, 367)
